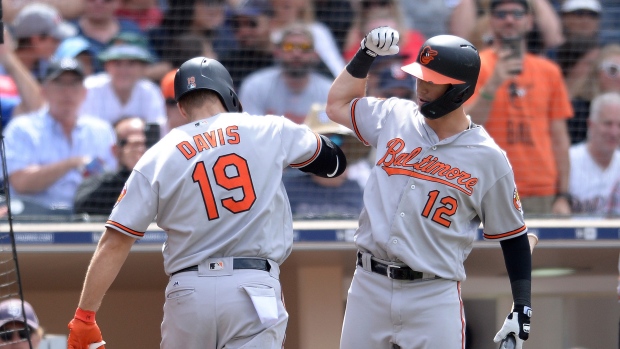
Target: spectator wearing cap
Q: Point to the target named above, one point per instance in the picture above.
(250, 23)
(19, 91)
(290, 87)
(38, 29)
(48, 153)
(174, 118)
(18, 323)
(76, 47)
(99, 25)
(394, 82)
(339, 197)
(123, 89)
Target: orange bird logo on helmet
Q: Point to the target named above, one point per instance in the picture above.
(427, 55)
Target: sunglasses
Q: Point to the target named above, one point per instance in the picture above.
(611, 69)
(7, 335)
(503, 14)
(585, 13)
(289, 47)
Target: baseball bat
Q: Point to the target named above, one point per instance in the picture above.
(510, 342)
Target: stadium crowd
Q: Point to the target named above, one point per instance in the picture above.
(70, 72)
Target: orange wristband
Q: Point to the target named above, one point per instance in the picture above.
(85, 315)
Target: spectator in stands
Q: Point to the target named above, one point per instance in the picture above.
(287, 12)
(174, 118)
(603, 75)
(145, 13)
(202, 17)
(291, 87)
(122, 89)
(20, 93)
(521, 100)
(99, 25)
(13, 322)
(337, 15)
(314, 197)
(581, 25)
(379, 13)
(67, 9)
(595, 163)
(38, 32)
(49, 153)
(394, 82)
(186, 46)
(251, 25)
(457, 17)
(98, 194)
(77, 47)
(545, 33)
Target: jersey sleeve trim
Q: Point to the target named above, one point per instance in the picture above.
(507, 234)
(123, 229)
(353, 121)
(314, 156)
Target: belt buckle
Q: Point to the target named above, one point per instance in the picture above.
(390, 270)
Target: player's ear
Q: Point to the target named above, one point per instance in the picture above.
(183, 112)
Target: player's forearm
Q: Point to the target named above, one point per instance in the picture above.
(107, 261)
(36, 178)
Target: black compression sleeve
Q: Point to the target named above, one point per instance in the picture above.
(518, 260)
(330, 162)
(359, 66)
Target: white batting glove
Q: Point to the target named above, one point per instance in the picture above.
(517, 322)
(382, 41)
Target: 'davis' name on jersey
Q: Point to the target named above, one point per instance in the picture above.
(208, 140)
(428, 168)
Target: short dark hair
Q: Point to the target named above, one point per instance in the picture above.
(197, 98)
(524, 3)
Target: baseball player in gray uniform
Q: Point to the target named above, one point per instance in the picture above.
(437, 176)
(215, 187)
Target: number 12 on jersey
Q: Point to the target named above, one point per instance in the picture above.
(441, 213)
(242, 180)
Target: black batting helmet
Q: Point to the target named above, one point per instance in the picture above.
(447, 59)
(201, 73)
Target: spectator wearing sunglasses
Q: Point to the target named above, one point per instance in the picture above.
(290, 87)
(18, 324)
(522, 102)
(602, 75)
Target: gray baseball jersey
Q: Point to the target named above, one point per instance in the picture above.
(215, 187)
(425, 198)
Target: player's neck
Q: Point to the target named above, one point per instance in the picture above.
(450, 124)
(206, 111)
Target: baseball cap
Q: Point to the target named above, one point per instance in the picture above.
(167, 85)
(11, 310)
(72, 47)
(62, 65)
(394, 77)
(125, 51)
(39, 18)
(574, 5)
(251, 8)
(495, 3)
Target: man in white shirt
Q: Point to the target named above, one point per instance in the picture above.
(122, 90)
(595, 163)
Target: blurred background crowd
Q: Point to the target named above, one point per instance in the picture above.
(86, 86)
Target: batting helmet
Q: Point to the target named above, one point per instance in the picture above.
(203, 73)
(447, 59)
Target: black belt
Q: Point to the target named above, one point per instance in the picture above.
(392, 271)
(238, 263)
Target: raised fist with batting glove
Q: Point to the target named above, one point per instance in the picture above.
(517, 322)
(84, 332)
(381, 41)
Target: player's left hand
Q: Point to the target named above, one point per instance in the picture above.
(83, 331)
(517, 322)
(382, 41)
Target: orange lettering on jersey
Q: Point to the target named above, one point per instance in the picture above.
(232, 134)
(201, 143)
(397, 162)
(210, 137)
(220, 135)
(186, 149)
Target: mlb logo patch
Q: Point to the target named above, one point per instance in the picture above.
(216, 266)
